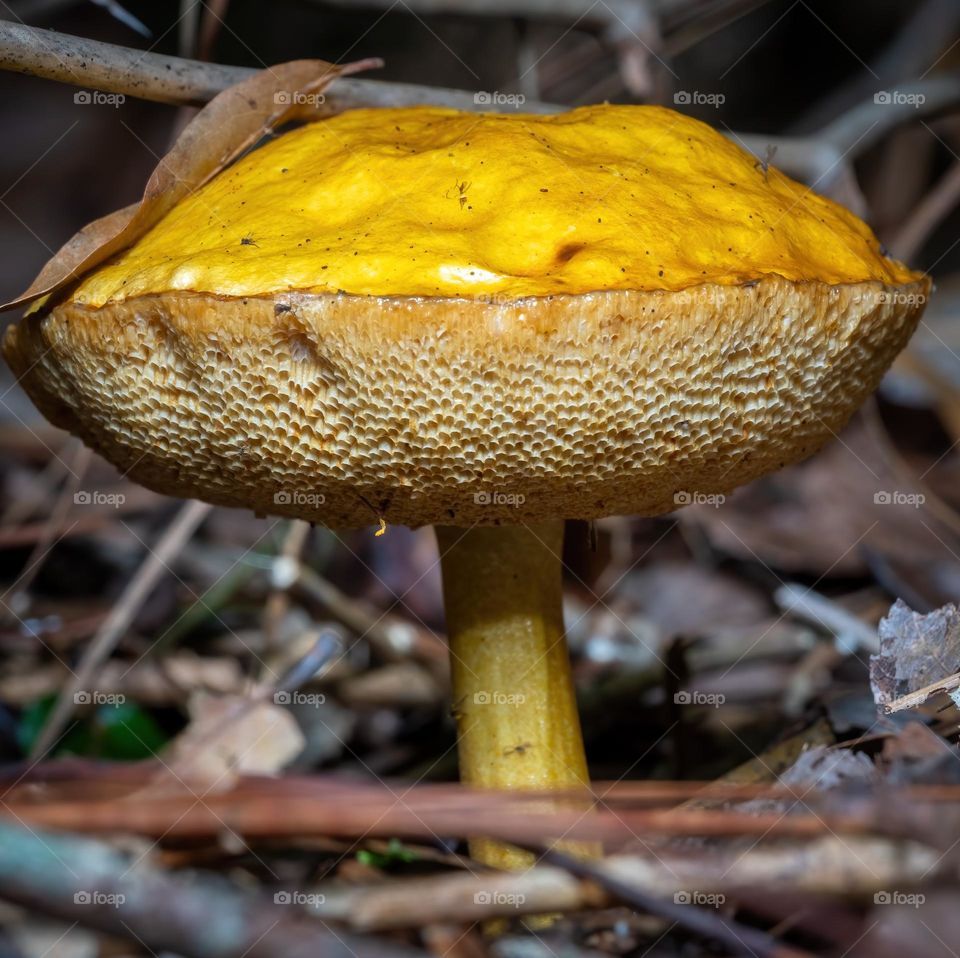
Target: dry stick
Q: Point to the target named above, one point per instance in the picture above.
(153, 567)
(152, 76)
(54, 524)
(804, 603)
(278, 601)
(867, 123)
(198, 916)
(914, 699)
(393, 637)
(822, 159)
(927, 216)
(826, 866)
(914, 48)
(740, 939)
(40, 490)
(340, 813)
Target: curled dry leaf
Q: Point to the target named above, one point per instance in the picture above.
(228, 736)
(919, 656)
(229, 124)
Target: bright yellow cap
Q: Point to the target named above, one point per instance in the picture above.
(428, 201)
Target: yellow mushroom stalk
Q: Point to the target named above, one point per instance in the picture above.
(513, 696)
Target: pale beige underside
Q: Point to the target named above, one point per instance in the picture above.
(345, 409)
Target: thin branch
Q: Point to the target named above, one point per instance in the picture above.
(153, 567)
(927, 215)
(740, 939)
(823, 160)
(164, 79)
(199, 916)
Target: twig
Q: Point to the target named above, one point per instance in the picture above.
(823, 159)
(927, 215)
(199, 916)
(393, 638)
(165, 79)
(828, 865)
(806, 604)
(740, 939)
(930, 29)
(344, 811)
(153, 567)
(863, 126)
(912, 699)
(17, 592)
(278, 601)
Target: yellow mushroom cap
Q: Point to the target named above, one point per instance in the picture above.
(429, 316)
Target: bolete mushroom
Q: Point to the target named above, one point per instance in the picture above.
(490, 324)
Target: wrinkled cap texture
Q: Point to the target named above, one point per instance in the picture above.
(428, 316)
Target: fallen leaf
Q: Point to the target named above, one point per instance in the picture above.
(228, 736)
(919, 656)
(229, 124)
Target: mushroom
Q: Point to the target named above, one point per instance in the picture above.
(489, 324)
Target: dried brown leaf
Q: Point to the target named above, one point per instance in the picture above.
(229, 124)
(228, 736)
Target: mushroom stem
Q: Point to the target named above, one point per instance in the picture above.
(513, 694)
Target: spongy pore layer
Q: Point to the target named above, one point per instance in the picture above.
(429, 317)
(343, 410)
